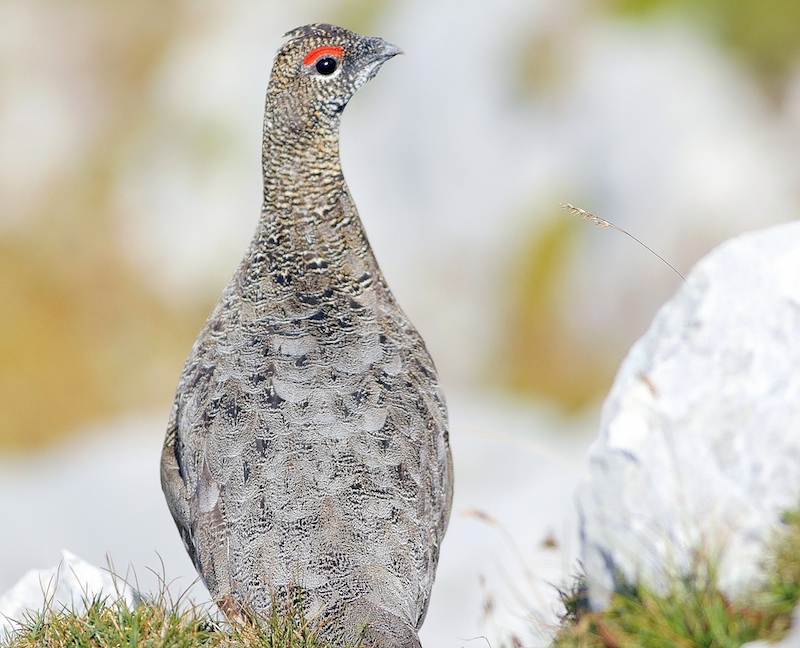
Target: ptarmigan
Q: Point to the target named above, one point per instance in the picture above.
(307, 451)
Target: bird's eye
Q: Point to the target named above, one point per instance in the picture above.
(324, 58)
(327, 65)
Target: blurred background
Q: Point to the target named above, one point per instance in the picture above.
(130, 186)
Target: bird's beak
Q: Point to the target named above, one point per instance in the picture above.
(390, 50)
(382, 50)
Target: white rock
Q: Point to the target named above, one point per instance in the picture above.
(699, 448)
(68, 585)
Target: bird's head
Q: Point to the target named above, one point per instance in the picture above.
(318, 70)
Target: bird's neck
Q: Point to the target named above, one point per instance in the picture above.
(300, 162)
(309, 229)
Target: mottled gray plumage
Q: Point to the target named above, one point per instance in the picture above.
(307, 451)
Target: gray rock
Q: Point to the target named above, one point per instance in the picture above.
(699, 449)
(68, 585)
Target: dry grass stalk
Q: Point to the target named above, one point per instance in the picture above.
(602, 222)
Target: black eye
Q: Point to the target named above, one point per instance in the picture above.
(327, 65)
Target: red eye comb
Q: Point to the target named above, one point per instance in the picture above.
(317, 52)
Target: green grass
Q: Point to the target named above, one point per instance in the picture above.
(694, 613)
(116, 624)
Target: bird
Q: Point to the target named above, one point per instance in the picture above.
(307, 453)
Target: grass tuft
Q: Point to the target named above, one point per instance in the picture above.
(160, 624)
(694, 613)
